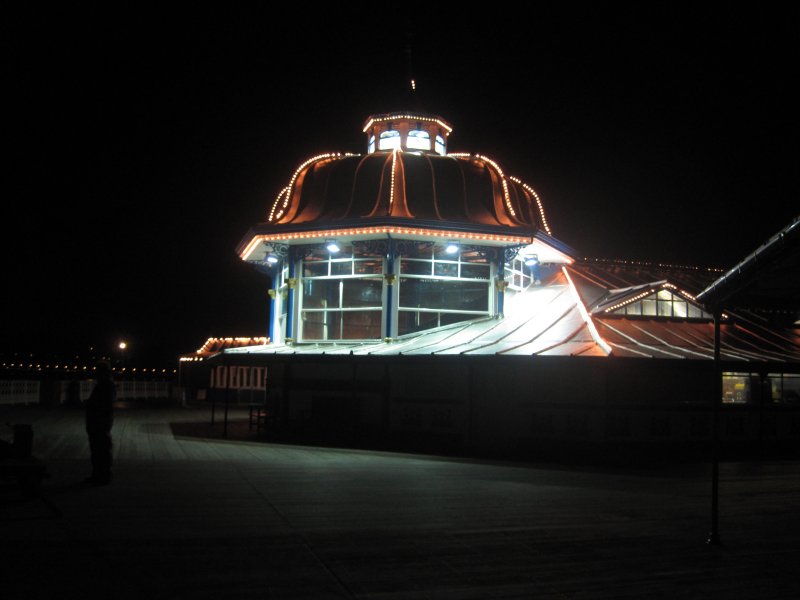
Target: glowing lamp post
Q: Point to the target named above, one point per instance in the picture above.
(122, 347)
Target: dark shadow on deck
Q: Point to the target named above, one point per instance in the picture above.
(560, 452)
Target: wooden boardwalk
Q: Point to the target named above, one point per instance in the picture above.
(203, 518)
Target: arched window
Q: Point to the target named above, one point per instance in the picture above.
(371, 145)
(389, 140)
(440, 148)
(418, 140)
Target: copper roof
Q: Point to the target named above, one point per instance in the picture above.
(465, 190)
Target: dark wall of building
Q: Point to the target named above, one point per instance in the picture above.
(510, 406)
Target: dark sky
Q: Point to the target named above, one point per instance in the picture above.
(141, 146)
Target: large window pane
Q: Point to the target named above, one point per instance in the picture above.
(422, 250)
(361, 292)
(361, 325)
(649, 307)
(321, 293)
(333, 325)
(634, 309)
(315, 269)
(415, 267)
(479, 256)
(342, 268)
(365, 267)
(444, 294)
(475, 271)
(679, 308)
(441, 269)
(313, 325)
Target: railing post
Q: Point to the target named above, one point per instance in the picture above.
(713, 536)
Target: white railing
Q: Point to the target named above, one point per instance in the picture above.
(143, 390)
(23, 391)
(19, 392)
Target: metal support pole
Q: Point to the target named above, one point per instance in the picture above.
(273, 318)
(713, 536)
(290, 300)
(500, 283)
(389, 279)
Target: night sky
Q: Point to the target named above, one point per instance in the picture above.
(142, 146)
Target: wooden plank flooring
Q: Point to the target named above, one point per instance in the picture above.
(201, 518)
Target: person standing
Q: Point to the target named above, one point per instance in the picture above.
(99, 420)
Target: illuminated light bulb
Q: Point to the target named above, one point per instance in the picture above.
(332, 246)
(451, 248)
(531, 260)
(272, 259)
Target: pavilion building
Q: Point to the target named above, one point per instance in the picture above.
(419, 289)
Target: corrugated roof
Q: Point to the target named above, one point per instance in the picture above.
(661, 338)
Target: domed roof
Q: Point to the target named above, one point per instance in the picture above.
(407, 183)
(465, 190)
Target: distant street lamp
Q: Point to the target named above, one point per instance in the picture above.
(122, 347)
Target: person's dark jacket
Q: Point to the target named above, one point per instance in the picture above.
(100, 404)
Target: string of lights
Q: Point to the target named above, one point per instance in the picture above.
(643, 263)
(286, 192)
(391, 186)
(73, 368)
(393, 117)
(539, 204)
(380, 230)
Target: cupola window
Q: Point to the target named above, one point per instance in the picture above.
(418, 139)
(371, 145)
(389, 140)
(440, 147)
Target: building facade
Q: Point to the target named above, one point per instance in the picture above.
(418, 291)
